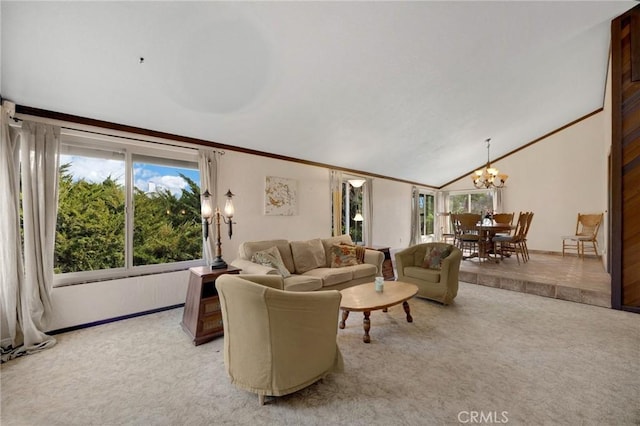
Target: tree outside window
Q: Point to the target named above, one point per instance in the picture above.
(471, 202)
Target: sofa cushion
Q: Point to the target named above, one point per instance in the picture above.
(302, 283)
(331, 276)
(343, 255)
(328, 242)
(421, 273)
(307, 255)
(249, 248)
(363, 270)
(434, 256)
(271, 257)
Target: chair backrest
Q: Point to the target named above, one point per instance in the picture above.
(268, 334)
(588, 224)
(528, 224)
(521, 226)
(455, 225)
(467, 222)
(503, 218)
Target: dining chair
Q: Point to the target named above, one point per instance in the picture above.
(526, 233)
(514, 243)
(468, 236)
(587, 227)
(503, 218)
(448, 235)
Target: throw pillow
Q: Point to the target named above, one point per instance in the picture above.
(271, 257)
(308, 255)
(343, 255)
(360, 250)
(434, 256)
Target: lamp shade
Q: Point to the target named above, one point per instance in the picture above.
(358, 217)
(229, 210)
(206, 207)
(356, 183)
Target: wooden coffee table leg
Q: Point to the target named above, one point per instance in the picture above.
(345, 314)
(405, 305)
(366, 323)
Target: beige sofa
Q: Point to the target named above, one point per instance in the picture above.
(309, 263)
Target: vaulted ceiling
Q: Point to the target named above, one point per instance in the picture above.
(408, 90)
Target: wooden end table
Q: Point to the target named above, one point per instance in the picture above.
(364, 298)
(202, 316)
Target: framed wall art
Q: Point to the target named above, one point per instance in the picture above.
(280, 196)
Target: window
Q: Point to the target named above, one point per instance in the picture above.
(352, 219)
(471, 202)
(426, 207)
(98, 236)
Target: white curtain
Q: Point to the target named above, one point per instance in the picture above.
(208, 165)
(367, 212)
(498, 202)
(335, 186)
(27, 272)
(415, 236)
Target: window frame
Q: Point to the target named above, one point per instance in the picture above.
(79, 140)
(426, 193)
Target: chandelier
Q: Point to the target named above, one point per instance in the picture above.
(489, 177)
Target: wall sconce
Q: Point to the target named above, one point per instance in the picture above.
(208, 214)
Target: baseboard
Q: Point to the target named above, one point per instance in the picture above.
(107, 321)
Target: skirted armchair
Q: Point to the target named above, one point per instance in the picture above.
(277, 342)
(433, 267)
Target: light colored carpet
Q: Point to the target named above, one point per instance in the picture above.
(514, 357)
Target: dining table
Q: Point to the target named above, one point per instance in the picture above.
(487, 230)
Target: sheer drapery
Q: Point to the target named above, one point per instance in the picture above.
(27, 284)
(498, 203)
(441, 213)
(11, 267)
(335, 186)
(367, 212)
(415, 236)
(208, 165)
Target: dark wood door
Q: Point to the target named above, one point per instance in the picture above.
(625, 162)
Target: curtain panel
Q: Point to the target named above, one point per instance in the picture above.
(208, 165)
(335, 187)
(367, 212)
(415, 236)
(28, 279)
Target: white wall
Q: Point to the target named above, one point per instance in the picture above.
(556, 178)
(86, 303)
(391, 213)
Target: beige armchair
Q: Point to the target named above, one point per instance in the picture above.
(277, 342)
(441, 284)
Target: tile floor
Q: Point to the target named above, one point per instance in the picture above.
(548, 275)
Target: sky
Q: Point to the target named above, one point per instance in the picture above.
(147, 177)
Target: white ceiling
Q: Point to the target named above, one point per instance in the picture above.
(408, 90)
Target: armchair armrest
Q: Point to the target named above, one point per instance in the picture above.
(404, 258)
(374, 257)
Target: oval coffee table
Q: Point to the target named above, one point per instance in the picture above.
(364, 298)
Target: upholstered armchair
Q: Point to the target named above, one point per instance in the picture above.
(436, 277)
(277, 342)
